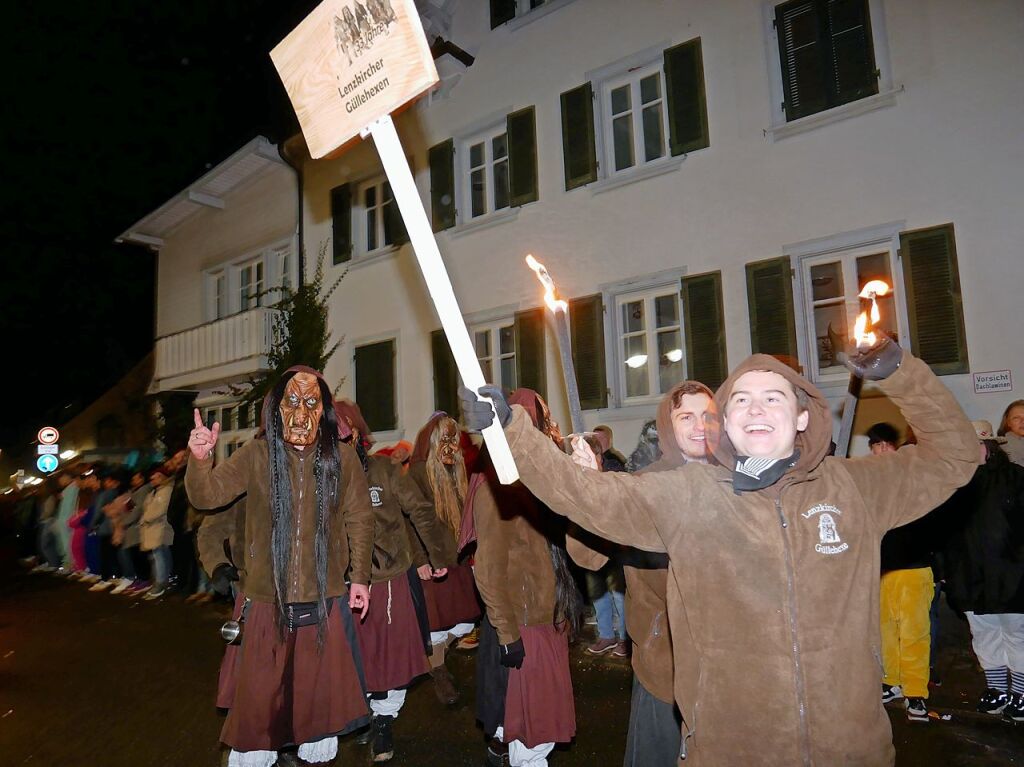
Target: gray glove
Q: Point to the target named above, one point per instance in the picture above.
(478, 414)
(876, 362)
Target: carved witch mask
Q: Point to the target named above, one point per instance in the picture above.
(301, 410)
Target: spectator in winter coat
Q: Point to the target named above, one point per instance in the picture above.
(907, 590)
(983, 562)
(1012, 428)
(155, 533)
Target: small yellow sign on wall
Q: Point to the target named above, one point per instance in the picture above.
(351, 62)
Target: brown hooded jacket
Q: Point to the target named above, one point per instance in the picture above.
(773, 594)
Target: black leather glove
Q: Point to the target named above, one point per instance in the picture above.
(223, 575)
(478, 414)
(513, 654)
(876, 362)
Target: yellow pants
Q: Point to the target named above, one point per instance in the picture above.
(906, 629)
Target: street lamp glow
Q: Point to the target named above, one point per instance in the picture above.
(675, 355)
(68, 455)
(637, 361)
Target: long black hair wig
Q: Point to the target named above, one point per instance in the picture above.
(327, 470)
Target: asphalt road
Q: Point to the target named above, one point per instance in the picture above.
(91, 679)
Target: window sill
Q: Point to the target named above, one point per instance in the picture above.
(484, 222)
(834, 115)
(641, 173)
(537, 13)
(381, 254)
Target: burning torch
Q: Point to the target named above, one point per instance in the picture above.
(559, 309)
(864, 336)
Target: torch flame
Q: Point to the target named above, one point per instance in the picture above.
(871, 290)
(554, 304)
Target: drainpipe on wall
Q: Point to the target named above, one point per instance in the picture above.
(295, 165)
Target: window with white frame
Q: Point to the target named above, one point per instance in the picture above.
(237, 424)
(496, 350)
(832, 283)
(247, 283)
(635, 119)
(219, 294)
(650, 342)
(285, 260)
(485, 172)
(375, 215)
(250, 285)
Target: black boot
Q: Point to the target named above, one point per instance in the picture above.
(383, 745)
(497, 754)
(365, 735)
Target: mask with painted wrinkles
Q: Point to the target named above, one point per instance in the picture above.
(448, 442)
(301, 409)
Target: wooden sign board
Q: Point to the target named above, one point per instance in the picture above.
(351, 62)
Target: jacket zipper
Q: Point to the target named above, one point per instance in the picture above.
(791, 595)
(297, 561)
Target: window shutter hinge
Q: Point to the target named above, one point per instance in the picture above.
(899, 253)
(792, 273)
(878, 74)
(775, 23)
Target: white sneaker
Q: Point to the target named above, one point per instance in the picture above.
(102, 585)
(122, 585)
(90, 578)
(155, 593)
(43, 568)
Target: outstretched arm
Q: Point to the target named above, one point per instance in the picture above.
(902, 486)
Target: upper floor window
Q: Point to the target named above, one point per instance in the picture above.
(650, 342)
(634, 114)
(237, 425)
(220, 294)
(250, 285)
(485, 172)
(374, 368)
(636, 122)
(379, 210)
(496, 349)
(826, 53)
(506, 10)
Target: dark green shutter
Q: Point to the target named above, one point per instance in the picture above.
(586, 326)
(770, 304)
(502, 11)
(932, 280)
(399, 236)
(826, 53)
(704, 326)
(852, 52)
(375, 384)
(804, 77)
(522, 156)
(687, 107)
(579, 152)
(442, 185)
(531, 364)
(446, 375)
(341, 216)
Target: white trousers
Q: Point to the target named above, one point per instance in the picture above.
(521, 756)
(998, 640)
(320, 751)
(389, 706)
(456, 631)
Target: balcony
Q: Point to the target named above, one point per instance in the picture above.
(224, 350)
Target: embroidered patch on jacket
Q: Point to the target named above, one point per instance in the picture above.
(376, 495)
(829, 540)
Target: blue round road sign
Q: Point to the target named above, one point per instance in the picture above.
(46, 463)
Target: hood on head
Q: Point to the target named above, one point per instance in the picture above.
(813, 443)
(421, 448)
(530, 401)
(347, 410)
(670, 452)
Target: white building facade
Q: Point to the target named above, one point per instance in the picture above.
(703, 180)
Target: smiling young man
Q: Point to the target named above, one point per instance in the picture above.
(774, 554)
(653, 737)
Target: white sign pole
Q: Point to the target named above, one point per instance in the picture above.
(385, 137)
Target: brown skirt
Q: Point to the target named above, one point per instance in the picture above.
(390, 639)
(452, 599)
(288, 691)
(539, 706)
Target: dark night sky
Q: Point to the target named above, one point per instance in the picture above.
(117, 106)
